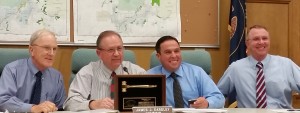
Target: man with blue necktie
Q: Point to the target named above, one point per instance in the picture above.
(184, 81)
(31, 84)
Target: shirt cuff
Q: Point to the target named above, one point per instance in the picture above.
(89, 104)
(26, 107)
(210, 104)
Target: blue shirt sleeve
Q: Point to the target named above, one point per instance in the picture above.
(17, 81)
(8, 92)
(61, 94)
(282, 77)
(208, 89)
(194, 83)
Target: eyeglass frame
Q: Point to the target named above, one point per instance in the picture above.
(47, 48)
(112, 50)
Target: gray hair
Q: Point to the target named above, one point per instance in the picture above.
(106, 34)
(40, 33)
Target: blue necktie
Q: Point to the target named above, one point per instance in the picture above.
(36, 92)
(177, 92)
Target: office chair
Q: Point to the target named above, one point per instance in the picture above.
(8, 55)
(84, 56)
(199, 58)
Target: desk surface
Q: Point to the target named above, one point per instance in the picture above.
(229, 110)
(250, 110)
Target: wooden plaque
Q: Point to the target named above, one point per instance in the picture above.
(139, 90)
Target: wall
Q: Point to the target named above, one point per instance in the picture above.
(285, 30)
(219, 55)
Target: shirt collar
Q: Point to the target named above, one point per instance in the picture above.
(265, 61)
(108, 72)
(33, 68)
(179, 72)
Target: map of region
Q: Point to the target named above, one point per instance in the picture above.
(20, 18)
(137, 21)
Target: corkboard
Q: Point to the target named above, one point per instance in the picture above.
(200, 23)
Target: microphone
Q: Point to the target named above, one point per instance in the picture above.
(126, 70)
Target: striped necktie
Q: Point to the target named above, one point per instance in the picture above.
(37, 89)
(112, 88)
(261, 98)
(177, 92)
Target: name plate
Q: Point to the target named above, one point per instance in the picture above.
(152, 109)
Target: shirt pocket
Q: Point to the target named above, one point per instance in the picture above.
(190, 95)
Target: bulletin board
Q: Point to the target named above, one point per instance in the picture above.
(200, 23)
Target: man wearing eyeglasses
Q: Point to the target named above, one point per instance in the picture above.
(91, 88)
(31, 84)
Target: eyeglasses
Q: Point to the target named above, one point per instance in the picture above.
(47, 48)
(112, 50)
(257, 39)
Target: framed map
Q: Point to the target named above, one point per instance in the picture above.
(20, 18)
(137, 21)
(195, 23)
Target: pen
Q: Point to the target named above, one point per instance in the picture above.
(293, 110)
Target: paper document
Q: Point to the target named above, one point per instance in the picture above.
(190, 110)
(101, 111)
(90, 111)
(286, 110)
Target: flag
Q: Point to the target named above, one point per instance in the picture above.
(237, 29)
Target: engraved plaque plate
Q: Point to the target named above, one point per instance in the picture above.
(128, 103)
(139, 91)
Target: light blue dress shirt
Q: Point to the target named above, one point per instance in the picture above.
(17, 81)
(194, 83)
(282, 76)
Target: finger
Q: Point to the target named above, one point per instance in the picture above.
(50, 103)
(111, 106)
(195, 105)
(111, 103)
(50, 106)
(107, 106)
(52, 109)
(200, 100)
(45, 109)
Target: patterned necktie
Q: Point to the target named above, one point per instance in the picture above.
(177, 92)
(36, 92)
(112, 88)
(261, 98)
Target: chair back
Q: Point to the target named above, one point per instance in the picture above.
(84, 56)
(199, 58)
(8, 55)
